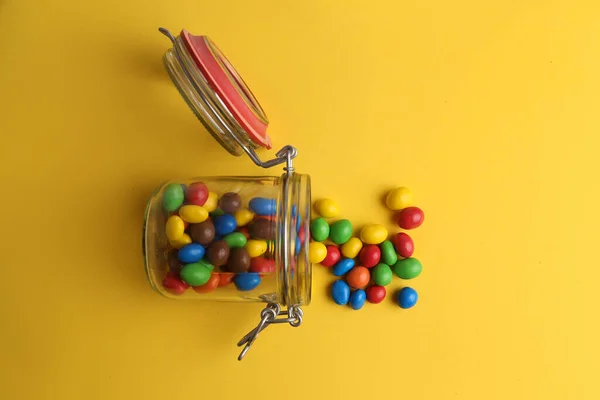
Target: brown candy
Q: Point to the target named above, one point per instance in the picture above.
(218, 253)
(203, 233)
(174, 263)
(230, 202)
(239, 260)
(262, 229)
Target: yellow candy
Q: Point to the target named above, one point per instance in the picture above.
(211, 202)
(373, 234)
(193, 214)
(399, 198)
(352, 247)
(174, 227)
(256, 248)
(182, 241)
(317, 252)
(327, 208)
(243, 216)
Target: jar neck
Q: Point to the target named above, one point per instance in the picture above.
(204, 102)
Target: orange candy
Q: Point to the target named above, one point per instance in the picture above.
(209, 286)
(225, 278)
(358, 277)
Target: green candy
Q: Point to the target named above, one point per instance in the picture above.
(382, 274)
(319, 229)
(207, 264)
(388, 253)
(195, 274)
(172, 197)
(217, 213)
(340, 231)
(235, 239)
(408, 268)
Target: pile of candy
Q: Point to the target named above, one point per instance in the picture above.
(215, 240)
(367, 263)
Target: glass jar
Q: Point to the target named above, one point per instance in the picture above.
(229, 238)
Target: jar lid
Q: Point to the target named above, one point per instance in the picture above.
(229, 86)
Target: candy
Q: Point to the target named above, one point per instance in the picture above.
(399, 198)
(343, 266)
(173, 284)
(191, 253)
(243, 216)
(262, 265)
(218, 253)
(369, 256)
(332, 257)
(203, 233)
(247, 281)
(327, 208)
(340, 231)
(207, 264)
(174, 263)
(182, 241)
(375, 294)
(410, 218)
(239, 260)
(298, 246)
(195, 274)
(256, 248)
(172, 197)
(196, 193)
(319, 229)
(373, 234)
(244, 231)
(193, 214)
(225, 278)
(357, 299)
(388, 253)
(224, 224)
(211, 202)
(230, 202)
(209, 286)
(302, 234)
(217, 212)
(262, 229)
(174, 228)
(235, 239)
(316, 252)
(382, 274)
(352, 247)
(262, 206)
(408, 268)
(407, 297)
(358, 277)
(340, 292)
(404, 244)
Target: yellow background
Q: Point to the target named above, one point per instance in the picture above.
(487, 110)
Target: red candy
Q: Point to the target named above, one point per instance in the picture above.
(244, 231)
(332, 257)
(410, 218)
(196, 193)
(209, 286)
(358, 277)
(404, 245)
(225, 278)
(173, 284)
(369, 256)
(302, 234)
(375, 294)
(262, 265)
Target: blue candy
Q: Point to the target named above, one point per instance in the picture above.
(340, 292)
(246, 281)
(262, 206)
(191, 253)
(343, 266)
(357, 299)
(407, 297)
(298, 246)
(224, 224)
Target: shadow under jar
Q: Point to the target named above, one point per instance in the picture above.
(229, 238)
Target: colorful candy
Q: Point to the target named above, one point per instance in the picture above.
(319, 229)
(182, 241)
(235, 239)
(195, 274)
(230, 202)
(410, 218)
(357, 299)
(243, 216)
(375, 294)
(172, 197)
(212, 202)
(262, 265)
(316, 252)
(340, 231)
(332, 257)
(203, 233)
(373, 234)
(218, 253)
(196, 193)
(388, 253)
(343, 266)
(340, 292)
(246, 281)
(408, 268)
(225, 278)
(327, 208)
(399, 198)
(358, 277)
(174, 228)
(193, 214)
(173, 284)
(407, 297)
(191, 253)
(211, 285)
(382, 275)
(352, 247)
(404, 244)
(369, 256)
(263, 206)
(224, 224)
(262, 229)
(255, 247)
(239, 260)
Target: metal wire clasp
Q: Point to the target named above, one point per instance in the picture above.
(269, 316)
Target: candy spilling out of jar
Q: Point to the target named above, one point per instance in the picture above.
(368, 262)
(214, 240)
